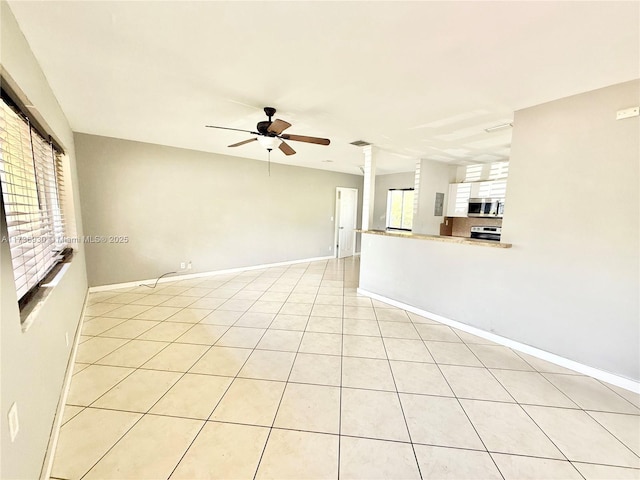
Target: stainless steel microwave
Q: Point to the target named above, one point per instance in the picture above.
(485, 207)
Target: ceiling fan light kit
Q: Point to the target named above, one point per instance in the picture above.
(269, 142)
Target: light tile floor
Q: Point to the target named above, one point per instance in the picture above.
(287, 373)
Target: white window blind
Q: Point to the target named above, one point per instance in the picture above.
(485, 189)
(31, 181)
(486, 171)
(462, 198)
(495, 189)
(499, 170)
(473, 173)
(498, 189)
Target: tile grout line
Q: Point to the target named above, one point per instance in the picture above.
(101, 335)
(142, 367)
(610, 432)
(546, 380)
(547, 406)
(374, 438)
(226, 390)
(359, 388)
(275, 416)
(395, 385)
(288, 381)
(143, 414)
(460, 403)
(625, 399)
(341, 370)
(523, 410)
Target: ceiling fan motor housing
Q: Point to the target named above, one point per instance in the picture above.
(263, 126)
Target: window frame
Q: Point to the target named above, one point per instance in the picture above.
(389, 207)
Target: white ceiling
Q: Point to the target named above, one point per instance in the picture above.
(416, 79)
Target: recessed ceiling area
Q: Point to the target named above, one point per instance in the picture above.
(419, 80)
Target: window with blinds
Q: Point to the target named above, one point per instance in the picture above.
(31, 183)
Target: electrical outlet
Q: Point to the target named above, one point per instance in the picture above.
(66, 338)
(189, 265)
(183, 265)
(14, 424)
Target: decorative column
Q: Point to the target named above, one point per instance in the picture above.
(416, 192)
(369, 190)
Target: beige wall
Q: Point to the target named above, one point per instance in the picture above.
(570, 283)
(435, 177)
(384, 183)
(214, 210)
(33, 363)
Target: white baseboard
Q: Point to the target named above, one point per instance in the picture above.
(173, 278)
(611, 378)
(47, 466)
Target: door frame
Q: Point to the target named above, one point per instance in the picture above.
(336, 237)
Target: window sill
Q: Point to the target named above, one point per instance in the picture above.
(29, 314)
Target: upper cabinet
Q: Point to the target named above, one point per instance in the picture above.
(473, 186)
(458, 199)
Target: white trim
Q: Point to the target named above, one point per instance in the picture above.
(113, 286)
(45, 474)
(611, 378)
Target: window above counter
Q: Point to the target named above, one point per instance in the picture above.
(479, 172)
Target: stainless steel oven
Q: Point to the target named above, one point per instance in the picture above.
(485, 207)
(486, 233)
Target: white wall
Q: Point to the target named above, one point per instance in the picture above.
(434, 177)
(384, 183)
(570, 283)
(217, 211)
(33, 363)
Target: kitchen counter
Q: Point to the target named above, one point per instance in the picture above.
(438, 238)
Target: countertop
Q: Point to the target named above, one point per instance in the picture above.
(439, 238)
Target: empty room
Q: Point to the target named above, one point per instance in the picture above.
(320, 240)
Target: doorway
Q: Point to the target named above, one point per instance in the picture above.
(346, 218)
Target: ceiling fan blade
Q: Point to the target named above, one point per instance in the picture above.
(278, 126)
(242, 143)
(234, 129)
(303, 138)
(286, 149)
